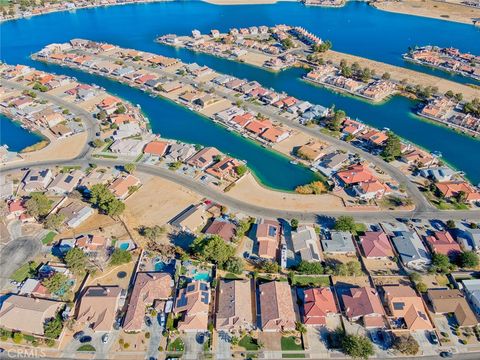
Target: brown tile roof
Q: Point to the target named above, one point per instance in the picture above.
(318, 303)
(98, 307)
(234, 310)
(452, 301)
(277, 309)
(225, 229)
(362, 301)
(149, 286)
(27, 314)
(193, 301)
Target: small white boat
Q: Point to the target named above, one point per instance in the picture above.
(436, 153)
(294, 162)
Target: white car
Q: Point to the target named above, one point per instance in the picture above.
(105, 338)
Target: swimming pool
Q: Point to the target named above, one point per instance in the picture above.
(124, 246)
(202, 276)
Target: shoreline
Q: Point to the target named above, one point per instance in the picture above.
(432, 9)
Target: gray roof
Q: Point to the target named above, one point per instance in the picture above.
(305, 242)
(341, 241)
(410, 247)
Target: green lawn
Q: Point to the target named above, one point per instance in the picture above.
(248, 343)
(22, 272)
(288, 344)
(86, 347)
(176, 345)
(47, 240)
(305, 280)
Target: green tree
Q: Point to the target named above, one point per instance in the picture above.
(243, 227)
(130, 168)
(38, 205)
(310, 267)
(76, 260)
(393, 147)
(469, 259)
(386, 76)
(441, 263)
(451, 224)
(357, 346)
(345, 223)
(294, 224)
(234, 265)
(103, 198)
(335, 122)
(406, 344)
(152, 233)
(54, 221)
(120, 257)
(17, 337)
(53, 328)
(240, 170)
(98, 143)
(55, 282)
(300, 327)
(212, 248)
(421, 287)
(354, 268)
(270, 267)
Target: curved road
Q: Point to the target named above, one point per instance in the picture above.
(421, 203)
(423, 209)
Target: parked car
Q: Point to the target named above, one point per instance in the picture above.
(78, 335)
(446, 354)
(433, 337)
(85, 339)
(105, 338)
(162, 320)
(148, 321)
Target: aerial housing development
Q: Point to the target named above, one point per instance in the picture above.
(239, 192)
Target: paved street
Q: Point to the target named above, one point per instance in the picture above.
(16, 253)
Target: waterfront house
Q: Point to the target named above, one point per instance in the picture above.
(275, 135)
(277, 308)
(268, 234)
(98, 306)
(364, 304)
(204, 158)
(225, 169)
(223, 228)
(305, 243)
(437, 174)
(419, 158)
(311, 151)
(156, 148)
(192, 303)
(147, 288)
(257, 127)
(405, 305)
(375, 244)
(65, 183)
(26, 314)
(318, 305)
(243, 120)
(374, 137)
(371, 189)
(122, 186)
(452, 301)
(128, 147)
(340, 242)
(355, 174)
(442, 242)
(180, 152)
(332, 162)
(472, 289)
(126, 130)
(37, 180)
(413, 253)
(190, 219)
(234, 309)
(228, 114)
(352, 127)
(450, 189)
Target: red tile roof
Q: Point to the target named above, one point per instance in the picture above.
(318, 303)
(376, 244)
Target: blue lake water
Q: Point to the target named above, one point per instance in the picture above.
(357, 29)
(16, 137)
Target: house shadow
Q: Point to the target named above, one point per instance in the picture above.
(182, 239)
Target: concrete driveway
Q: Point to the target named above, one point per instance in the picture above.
(156, 336)
(223, 350)
(193, 342)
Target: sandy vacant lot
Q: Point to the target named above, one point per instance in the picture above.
(432, 9)
(157, 202)
(61, 149)
(248, 190)
(399, 73)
